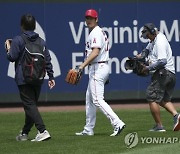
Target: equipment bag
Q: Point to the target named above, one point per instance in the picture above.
(33, 61)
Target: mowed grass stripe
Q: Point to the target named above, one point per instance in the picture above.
(63, 125)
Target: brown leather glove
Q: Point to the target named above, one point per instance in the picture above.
(73, 76)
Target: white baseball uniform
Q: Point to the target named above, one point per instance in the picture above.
(98, 75)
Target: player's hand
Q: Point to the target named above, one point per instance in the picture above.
(145, 70)
(138, 55)
(51, 84)
(7, 44)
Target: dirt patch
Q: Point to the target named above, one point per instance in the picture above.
(79, 107)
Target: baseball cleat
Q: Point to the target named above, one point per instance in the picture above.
(42, 136)
(117, 130)
(176, 122)
(84, 133)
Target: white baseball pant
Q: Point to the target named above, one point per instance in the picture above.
(98, 75)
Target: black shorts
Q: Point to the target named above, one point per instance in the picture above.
(161, 86)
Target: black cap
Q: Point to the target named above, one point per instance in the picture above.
(148, 27)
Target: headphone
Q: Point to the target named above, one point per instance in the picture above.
(152, 31)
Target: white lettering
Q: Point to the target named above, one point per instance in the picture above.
(159, 140)
(117, 64)
(175, 139)
(115, 32)
(162, 140)
(86, 33)
(149, 140)
(155, 140)
(74, 59)
(174, 29)
(168, 140)
(178, 64)
(76, 36)
(114, 63)
(122, 30)
(123, 66)
(127, 34)
(135, 31)
(143, 140)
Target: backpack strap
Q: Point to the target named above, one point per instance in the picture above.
(25, 39)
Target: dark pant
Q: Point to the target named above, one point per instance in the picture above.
(29, 95)
(161, 87)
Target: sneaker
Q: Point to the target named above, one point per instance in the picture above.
(176, 122)
(84, 132)
(117, 130)
(42, 136)
(157, 129)
(22, 137)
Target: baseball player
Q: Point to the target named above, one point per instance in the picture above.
(163, 80)
(97, 56)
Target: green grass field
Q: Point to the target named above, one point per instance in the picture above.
(63, 125)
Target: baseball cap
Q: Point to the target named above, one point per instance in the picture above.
(148, 27)
(91, 13)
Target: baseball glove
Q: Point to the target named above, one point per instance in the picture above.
(73, 76)
(7, 44)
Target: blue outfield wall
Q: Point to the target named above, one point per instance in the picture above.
(62, 26)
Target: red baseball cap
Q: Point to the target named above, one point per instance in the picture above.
(91, 13)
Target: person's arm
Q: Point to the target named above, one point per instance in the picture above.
(8, 44)
(159, 64)
(13, 49)
(49, 69)
(92, 56)
(143, 54)
(51, 83)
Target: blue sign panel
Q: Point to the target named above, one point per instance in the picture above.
(62, 26)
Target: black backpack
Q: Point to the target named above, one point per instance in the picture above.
(33, 61)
